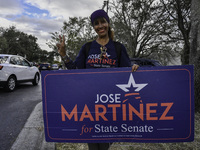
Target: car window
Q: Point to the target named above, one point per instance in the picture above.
(3, 59)
(19, 61)
(24, 62)
(15, 60)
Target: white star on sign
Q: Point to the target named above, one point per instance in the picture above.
(131, 82)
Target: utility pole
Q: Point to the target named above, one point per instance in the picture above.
(105, 3)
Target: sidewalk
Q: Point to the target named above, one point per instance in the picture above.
(32, 135)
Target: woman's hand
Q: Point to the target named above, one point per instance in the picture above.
(134, 67)
(61, 46)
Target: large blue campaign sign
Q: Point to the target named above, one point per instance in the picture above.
(154, 104)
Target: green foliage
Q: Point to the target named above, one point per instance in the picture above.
(77, 31)
(16, 42)
(3, 44)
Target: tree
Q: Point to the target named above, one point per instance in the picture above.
(11, 38)
(13, 41)
(142, 27)
(195, 48)
(3, 42)
(178, 12)
(77, 31)
(19, 43)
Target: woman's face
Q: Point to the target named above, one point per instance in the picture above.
(101, 27)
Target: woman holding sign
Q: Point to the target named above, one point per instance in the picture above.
(100, 53)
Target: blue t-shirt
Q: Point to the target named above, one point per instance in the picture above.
(93, 59)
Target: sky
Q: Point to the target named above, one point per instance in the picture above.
(41, 17)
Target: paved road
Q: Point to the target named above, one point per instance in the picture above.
(15, 108)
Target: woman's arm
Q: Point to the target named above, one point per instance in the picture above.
(80, 60)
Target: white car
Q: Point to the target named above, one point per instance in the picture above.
(15, 69)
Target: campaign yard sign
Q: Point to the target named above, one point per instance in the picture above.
(153, 104)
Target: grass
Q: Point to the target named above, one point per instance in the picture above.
(195, 145)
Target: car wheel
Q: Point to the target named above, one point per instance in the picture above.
(36, 79)
(11, 84)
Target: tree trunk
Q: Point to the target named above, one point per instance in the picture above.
(195, 48)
